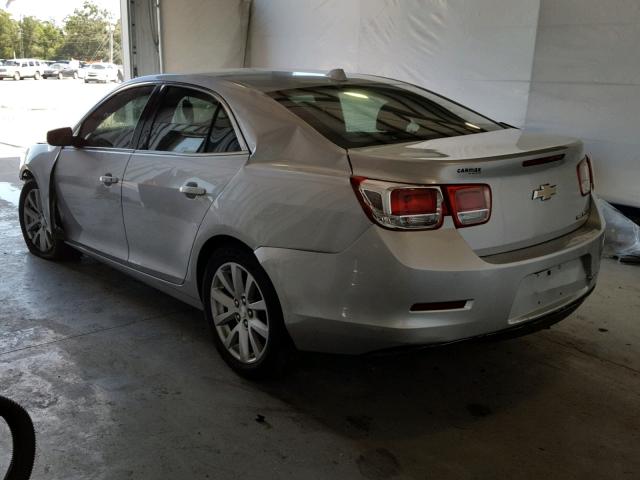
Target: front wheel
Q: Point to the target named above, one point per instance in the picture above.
(37, 76)
(75, 75)
(16, 76)
(242, 308)
(38, 238)
(59, 76)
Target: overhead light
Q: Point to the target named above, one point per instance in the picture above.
(356, 94)
(471, 125)
(307, 74)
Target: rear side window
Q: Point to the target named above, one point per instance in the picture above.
(113, 123)
(190, 121)
(367, 114)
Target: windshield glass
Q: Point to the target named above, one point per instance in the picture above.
(98, 67)
(354, 115)
(56, 66)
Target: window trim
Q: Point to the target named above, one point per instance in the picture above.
(149, 117)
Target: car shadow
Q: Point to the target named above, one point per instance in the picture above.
(405, 395)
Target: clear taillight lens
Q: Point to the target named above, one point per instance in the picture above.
(585, 176)
(470, 204)
(399, 206)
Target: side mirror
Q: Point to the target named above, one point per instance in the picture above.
(63, 137)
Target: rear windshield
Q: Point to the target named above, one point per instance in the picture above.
(354, 116)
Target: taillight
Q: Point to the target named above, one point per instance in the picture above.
(412, 207)
(585, 176)
(470, 204)
(399, 206)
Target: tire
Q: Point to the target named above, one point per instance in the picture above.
(86, 81)
(24, 439)
(75, 75)
(39, 241)
(37, 76)
(59, 76)
(16, 76)
(252, 341)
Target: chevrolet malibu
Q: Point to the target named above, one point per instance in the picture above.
(327, 212)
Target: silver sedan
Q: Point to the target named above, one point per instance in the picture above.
(326, 212)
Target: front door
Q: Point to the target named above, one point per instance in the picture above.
(186, 159)
(88, 180)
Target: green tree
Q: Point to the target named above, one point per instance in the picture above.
(8, 36)
(86, 34)
(49, 41)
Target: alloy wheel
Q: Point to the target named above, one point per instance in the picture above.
(34, 222)
(239, 312)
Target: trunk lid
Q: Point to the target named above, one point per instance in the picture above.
(496, 159)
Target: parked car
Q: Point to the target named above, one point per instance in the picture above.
(59, 71)
(22, 68)
(335, 213)
(101, 72)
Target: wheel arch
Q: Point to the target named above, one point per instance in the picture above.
(209, 247)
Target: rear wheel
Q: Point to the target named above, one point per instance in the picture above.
(37, 76)
(38, 238)
(244, 313)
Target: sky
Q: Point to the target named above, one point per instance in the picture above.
(54, 9)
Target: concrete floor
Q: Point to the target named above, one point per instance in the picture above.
(124, 382)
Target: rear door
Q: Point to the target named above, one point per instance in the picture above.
(189, 151)
(88, 180)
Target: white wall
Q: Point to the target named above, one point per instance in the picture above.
(586, 83)
(477, 52)
(202, 35)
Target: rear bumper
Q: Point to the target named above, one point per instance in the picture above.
(360, 300)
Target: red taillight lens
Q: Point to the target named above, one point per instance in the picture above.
(470, 204)
(585, 176)
(414, 201)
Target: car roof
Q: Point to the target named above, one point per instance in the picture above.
(272, 80)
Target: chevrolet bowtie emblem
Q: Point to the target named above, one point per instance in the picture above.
(545, 192)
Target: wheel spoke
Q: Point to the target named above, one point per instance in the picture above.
(259, 327)
(48, 240)
(244, 344)
(254, 344)
(248, 286)
(259, 305)
(30, 202)
(220, 297)
(224, 318)
(225, 282)
(41, 241)
(32, 223)
(232, 334)
(236, 276)
(32, 213)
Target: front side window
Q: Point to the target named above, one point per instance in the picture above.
(367, 114)
(113, 123)
(190, 121)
